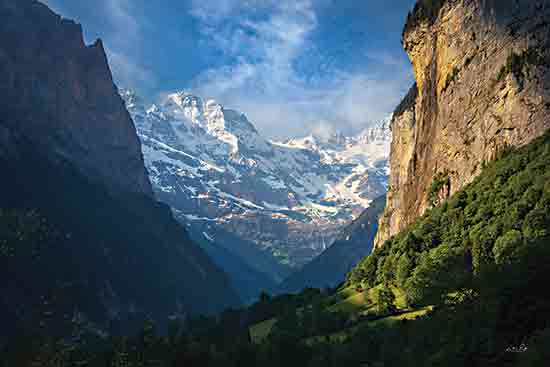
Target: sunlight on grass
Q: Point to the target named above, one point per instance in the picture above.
(354, 302)
(344, 335)
(260, 331)
(357, 305)
(411, 315)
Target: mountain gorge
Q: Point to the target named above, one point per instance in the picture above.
(82, 240)
(276, 205)
(459, 270)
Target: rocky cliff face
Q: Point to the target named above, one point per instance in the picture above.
(83, 244)
(482, 86)
(59, 93)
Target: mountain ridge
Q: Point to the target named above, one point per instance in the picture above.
(79, 84)
(288, 198)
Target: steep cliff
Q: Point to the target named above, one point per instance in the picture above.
(482, 86)
(83, 244)
(60, 95)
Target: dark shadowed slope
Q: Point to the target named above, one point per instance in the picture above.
(59, 93)
(81, 238)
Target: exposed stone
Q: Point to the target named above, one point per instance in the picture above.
(352, 244)
(482, 85)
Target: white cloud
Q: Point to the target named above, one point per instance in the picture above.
(123, 44)
(265, 45)
(266, 41)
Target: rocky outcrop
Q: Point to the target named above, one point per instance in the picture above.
(482, 86)
(59, 93)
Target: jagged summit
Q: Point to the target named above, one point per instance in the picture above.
(188, 112)
(206, 113)
(288, 198)
(378, 134)
(77, 114)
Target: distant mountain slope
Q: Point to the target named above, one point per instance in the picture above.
(247, 280)
(290, 199)
(353, 244)
(81, 238)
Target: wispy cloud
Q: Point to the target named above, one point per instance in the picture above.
(126, 28)
(128, 72)
(293, 66)
(123, 44)
(266, 41)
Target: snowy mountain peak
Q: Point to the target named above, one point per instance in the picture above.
(210, 162)
(380, 133)
(338, 142)
(153, 109)
(134, 103)
(183, 111)
(184, 100)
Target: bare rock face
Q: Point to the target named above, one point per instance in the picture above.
(482, 86)
(59, 93)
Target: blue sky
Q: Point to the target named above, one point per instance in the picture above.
(293, 66)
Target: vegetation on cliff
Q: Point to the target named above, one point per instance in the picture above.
(424, 11)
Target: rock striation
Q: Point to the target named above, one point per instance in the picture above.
(482, 86)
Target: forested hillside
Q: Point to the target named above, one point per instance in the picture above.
(502, 215)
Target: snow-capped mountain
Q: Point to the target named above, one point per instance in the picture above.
(289, 198)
